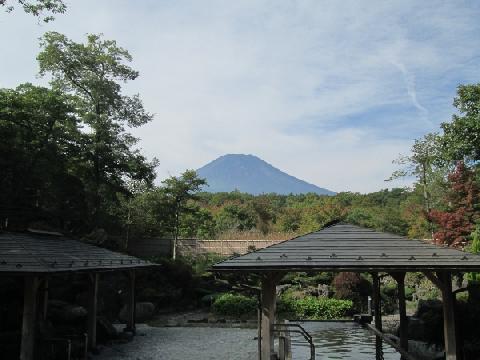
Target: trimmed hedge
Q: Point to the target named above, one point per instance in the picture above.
(313, 308)
(308, 308)
(235, 305)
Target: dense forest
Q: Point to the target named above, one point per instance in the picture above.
(70, 164)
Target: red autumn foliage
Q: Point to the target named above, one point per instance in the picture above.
(458, 222)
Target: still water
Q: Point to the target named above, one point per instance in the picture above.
(341, 340)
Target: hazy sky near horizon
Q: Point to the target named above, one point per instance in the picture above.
(328, 91)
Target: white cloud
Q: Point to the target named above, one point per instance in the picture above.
(298, 83)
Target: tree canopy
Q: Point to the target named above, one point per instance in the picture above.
(43, 9)
(93, 73)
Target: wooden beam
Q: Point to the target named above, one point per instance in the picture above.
(131, 302)
(29, 317)
(405, 355)
(92, 310)
(448, 316)
(402, 309)
(268, 316)
(377, 301)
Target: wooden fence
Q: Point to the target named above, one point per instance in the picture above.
(163, 247)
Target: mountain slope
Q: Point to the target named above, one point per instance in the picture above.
(250, 174)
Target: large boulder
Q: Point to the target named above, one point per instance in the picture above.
(143, 311)
(428, 306)
(416, 328)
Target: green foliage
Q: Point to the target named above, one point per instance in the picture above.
(313, 308)
(475, 249)
(462, 134)
(40, 147)
(409, 293)
(201, 263)
(304, 279)
(235, 217)
(39, 8)
(92, 73)
(178, 192)
(235, 305)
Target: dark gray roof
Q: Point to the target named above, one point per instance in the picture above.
(35, 253)
(345, 247)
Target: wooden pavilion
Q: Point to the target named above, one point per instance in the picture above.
(344, 247)
(36, 257)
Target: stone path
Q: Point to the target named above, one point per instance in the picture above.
(171, 343)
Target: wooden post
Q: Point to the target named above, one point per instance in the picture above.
(29, 317)
(131, 303)
(259, 330)
(443, 280)
(45, 299)
(377, 301)
(400, 278)
(92, 311)
(268, 316)
(448, 316)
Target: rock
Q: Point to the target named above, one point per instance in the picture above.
(65, 312)
(323, 290)
(423, 350)
(416, 328)
(143, 312)
(426, 306)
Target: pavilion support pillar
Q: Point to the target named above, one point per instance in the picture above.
(92, 310)
(131, 302)
(268, 316)
(44, 299)
(402, 309)
(377, 301)
(448, 316)
(29, 317)
(443, 280)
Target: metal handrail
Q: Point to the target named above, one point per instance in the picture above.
(301, 331)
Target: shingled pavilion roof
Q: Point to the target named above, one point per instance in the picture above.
(346, 247)
(32, 253)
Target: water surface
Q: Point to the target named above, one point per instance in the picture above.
(341, 340)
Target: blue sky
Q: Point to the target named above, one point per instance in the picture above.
(328, 91)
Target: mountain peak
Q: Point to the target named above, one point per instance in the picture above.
(248, 173)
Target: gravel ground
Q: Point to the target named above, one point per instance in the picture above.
(170, 343)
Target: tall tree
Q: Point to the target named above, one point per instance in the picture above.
(461, 139)
(93, 72)
(43, 9)
(39, 143)
(456, 223)
(179, 191)
(423, 164)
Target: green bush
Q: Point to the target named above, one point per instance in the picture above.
(313, 308)
(235, 305)
(409, 293)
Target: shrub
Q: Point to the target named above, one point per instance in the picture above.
(352, 286)
(235, 305)
(409, 293)
(313, 308)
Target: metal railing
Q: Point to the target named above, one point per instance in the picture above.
(296, 329)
